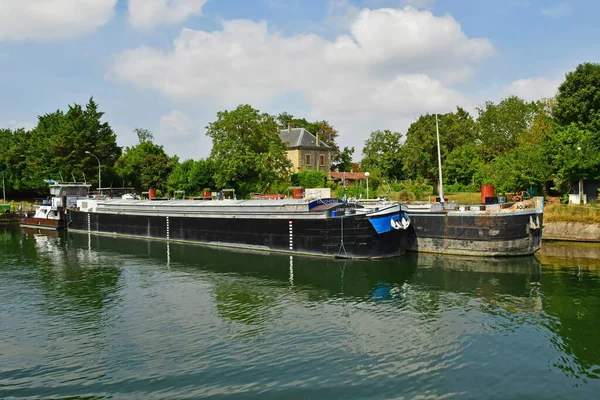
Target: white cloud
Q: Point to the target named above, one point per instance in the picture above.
(149, 13)
(52, 19)
(392, 66)
(532, 89)
(183, 136)
(341, 14)
(175, 125)
(558, 10)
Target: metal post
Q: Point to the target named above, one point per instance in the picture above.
(437, 129)
(580, 180)
(3, 189)
(367, 175)
(99, 171)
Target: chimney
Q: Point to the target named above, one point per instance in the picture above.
(318, 143)
(289, 127)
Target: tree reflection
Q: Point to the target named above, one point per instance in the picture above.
(70, 278)
(572, 296)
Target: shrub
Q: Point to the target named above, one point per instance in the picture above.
(309, 179)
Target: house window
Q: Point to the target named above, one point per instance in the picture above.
(307, 159)
(322, 160)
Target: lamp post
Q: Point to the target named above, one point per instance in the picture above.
(367, 175)
(99, 170)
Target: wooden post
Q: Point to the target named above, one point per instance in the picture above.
(580, 191)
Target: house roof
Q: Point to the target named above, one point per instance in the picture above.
(348, 175)
(301, 138)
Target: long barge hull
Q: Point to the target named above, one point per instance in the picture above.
(476, 234)
(344, 237)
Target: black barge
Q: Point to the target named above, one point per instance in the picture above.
(322, 227)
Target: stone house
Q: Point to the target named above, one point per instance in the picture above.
(306, 151)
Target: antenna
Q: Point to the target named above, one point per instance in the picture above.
(73, 175)
(84, 180)
(61, 178)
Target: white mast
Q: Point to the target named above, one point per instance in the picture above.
(437, 129)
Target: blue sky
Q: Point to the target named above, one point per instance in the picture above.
(170, 65)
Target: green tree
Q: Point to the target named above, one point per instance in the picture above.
(56, 147)
(192, 176)
(578, 99)
(527, 162)
(144, 135)
(463, 164)
(145, 166)
(457, 129)
(309, 179)
(247, 151)
(382, 154)
(500, 125)
(345, 160)
(576, 154)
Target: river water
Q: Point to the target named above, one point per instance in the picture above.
(99, 317)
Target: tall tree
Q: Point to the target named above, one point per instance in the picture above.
(578, 99)
(192, 176)
(457, 130)
(247, 151)
(528, 162)
(382, 154)
(144, 135)
(145, 166)
(57, 146)
(500, 125)
(345, 160)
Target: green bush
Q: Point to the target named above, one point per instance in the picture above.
(458, 187)
(309, 179)
(356, 191)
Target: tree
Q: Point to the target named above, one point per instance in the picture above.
(578, 99)
(345, 160)
(309, 179)
(247, 151)
(382, 154)
(500, 125)
(144, 135)
(146, 166)
(462, 164)
(192, 176)
(56, 147)
(457, 129)
(576, 154)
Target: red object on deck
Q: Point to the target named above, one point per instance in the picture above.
(486, 191)
(206, 194)
(298, 194)
(151, 194)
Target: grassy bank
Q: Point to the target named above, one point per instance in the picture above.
(589, 214)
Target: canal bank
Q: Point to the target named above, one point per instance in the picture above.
(571, 231)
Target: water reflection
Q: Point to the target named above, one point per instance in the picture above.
(191, 321)
(79, 278)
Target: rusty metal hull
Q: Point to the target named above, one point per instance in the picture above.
(42, 223)
(512, 232)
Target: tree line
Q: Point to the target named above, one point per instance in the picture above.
(512, 144)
